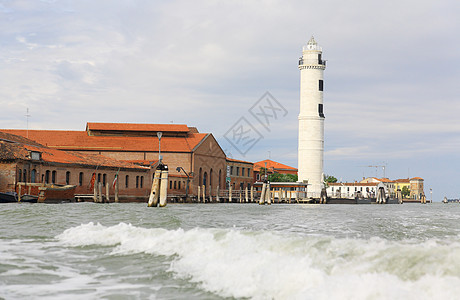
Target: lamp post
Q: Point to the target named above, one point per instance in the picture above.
(188, 180)
(159, 135)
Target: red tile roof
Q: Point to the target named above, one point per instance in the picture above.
(21, 147)
(79, 140)
(137, 127)
(272, 165)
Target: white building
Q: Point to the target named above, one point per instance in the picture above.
(354, 189)
(311, 118)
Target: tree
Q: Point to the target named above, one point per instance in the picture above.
(405, 191)
(329, 179)
(277, 177)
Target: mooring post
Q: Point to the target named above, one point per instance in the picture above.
(19, 192)
(116, 192)
(99, 186)
(217, 195)
(164, 187)
(241, 199)
(210, 194)
(252, 194)
(199, 194)
(273, 195)
(204, 194)
(246, 194)
(95, 192)
(268, 198)
(230, 194)
(107, 195)
(155, 191)
(262, 194)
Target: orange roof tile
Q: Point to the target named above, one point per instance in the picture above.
(272, 165)
(79, 140)
(137, 127)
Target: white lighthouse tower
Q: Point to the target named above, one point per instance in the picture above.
(311, 118)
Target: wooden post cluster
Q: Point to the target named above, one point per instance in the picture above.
(265, 197)
(159, 191)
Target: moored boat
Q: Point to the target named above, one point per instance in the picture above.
(9, 197)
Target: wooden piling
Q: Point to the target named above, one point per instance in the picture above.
(163, 188)
(217, 195)
(116, 192)
(246, 194)
(268, 198)
(230, 194)
(241, 198)
(252, 194)
(262, 194)
(99, 196)
(107, 195)
(199, 194)
(210, 194)
(204, 194)
(155, 190)
(19, 193)
(95, 192)
(273, 195)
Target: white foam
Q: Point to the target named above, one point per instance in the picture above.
(268, 265)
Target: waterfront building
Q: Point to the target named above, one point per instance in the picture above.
(311, 118)
(354, 189)
(416, 188)
(239, 174)
(28, 163)
(198, 154)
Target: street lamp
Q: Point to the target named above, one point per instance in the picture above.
(159, 135)
(188, 180)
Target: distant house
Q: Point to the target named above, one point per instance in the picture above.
(266, 167)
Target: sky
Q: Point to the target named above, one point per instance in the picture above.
(391, 86)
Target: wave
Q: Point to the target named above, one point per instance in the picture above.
(274, 265)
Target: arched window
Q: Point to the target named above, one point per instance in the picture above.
(210, 178)
(25, 175)
(178, 185)
(127, 181)
(104, 179)
(137, 182)
(200, 179)
(80, 179)
(33, 176)
(142, 181)
(67, 177)
(53, 176)
(20, 176)
(170, 184)
(98, 177)
(220, 178)
(175, 184)
(47, 176)
(205, 179)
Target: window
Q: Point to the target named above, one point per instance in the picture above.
(98, 177)
(127, 181)
(67, 177)
(47, 176)
(104, 179)
(175, 184)
(178, 185)
(137, 182)
(20, 176)
(25, 175)
(80, 179)
(258, 176)
(320, 62)
(53, 176)
(321, 85)
(33, 176)
(231, 170)
(320, 110)
(142, 181)
(237, 171)
(170, 184)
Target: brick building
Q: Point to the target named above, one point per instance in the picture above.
(240, 173)
(198, 154)
(25, 161)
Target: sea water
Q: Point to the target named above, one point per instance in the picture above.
(229, 251)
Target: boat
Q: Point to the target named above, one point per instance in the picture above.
(29, 199)
(9, 197)
(55, 193)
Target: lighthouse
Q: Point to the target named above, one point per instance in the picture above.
(311, 118)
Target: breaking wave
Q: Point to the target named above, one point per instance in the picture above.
(274, 265)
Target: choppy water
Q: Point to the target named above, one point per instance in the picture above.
(218, 251)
